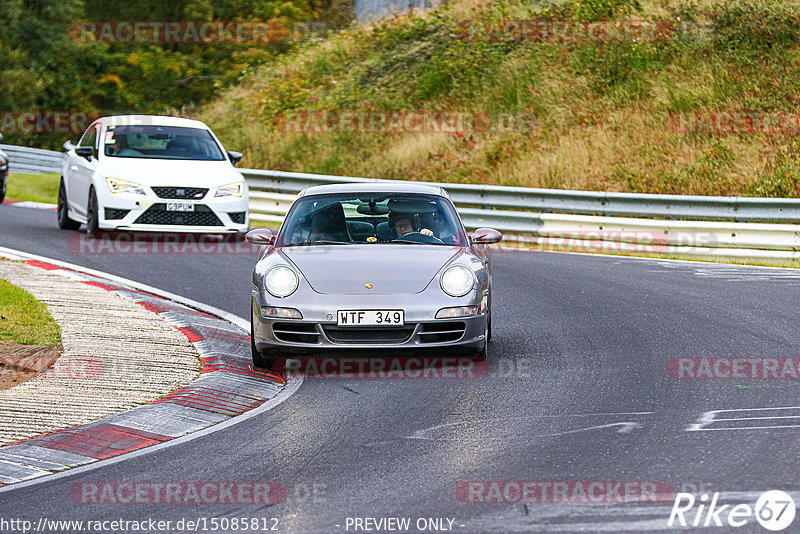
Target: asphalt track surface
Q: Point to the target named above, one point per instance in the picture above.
(578, 392)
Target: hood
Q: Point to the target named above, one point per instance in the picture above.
(166, 172)
(345, 269)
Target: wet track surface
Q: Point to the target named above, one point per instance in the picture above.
(579, 391)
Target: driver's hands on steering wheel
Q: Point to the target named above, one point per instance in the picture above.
(427, 232)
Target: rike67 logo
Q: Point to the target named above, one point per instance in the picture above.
(774, 510)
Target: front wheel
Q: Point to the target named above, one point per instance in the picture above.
(92, 213)
(3, 184)
(64, 222)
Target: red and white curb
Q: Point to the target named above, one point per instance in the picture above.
(30, 204)
(228, 387)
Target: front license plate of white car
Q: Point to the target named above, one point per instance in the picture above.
(370, 317)
(180, 206)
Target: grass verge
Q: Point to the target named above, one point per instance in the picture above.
(597, 114)
(34, 187)
(25, 320)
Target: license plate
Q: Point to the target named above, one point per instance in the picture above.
(180, 206)
(370, 317)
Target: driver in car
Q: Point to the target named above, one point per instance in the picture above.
(404, 224)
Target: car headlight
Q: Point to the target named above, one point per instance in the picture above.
(116, 185)
(230, 190)
(280, 281)
(457, 281)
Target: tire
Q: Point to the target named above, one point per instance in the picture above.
(3, 185)
(259, 360)
(484, 352)
(64, 222)
(92, 213)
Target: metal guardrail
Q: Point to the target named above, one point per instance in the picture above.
(698, 226)
(682, 225)
(32, 160)
(698, 208)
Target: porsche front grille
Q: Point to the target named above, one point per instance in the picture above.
(441, 332)
(296, 332)
(368, 335)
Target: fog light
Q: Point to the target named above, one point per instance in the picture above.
(459, 311)
(283, 313)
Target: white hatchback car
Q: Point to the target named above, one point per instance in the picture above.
(146, 172)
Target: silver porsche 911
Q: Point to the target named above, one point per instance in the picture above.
(377, 268)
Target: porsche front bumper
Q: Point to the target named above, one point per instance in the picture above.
(317, 332)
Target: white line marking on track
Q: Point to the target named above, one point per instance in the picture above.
(708, 418)
(628, 425)
(626, 428)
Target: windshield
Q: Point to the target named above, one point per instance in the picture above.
(372, 218)
(161, 142)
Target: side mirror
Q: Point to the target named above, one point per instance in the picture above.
(261, 236)
(84, 152)
(486, 236)
(1, 137)
(236, 157)
(69, 145)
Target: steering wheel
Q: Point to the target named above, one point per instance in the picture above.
(419, 237)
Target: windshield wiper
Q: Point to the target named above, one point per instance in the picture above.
(318, 242)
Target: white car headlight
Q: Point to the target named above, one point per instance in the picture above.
(457, 281)
(281, 281)
(115, 185)
(230, 190)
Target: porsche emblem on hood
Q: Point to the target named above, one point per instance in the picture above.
(368, 285)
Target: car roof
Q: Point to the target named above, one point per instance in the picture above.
(148, 120)
(378, 186)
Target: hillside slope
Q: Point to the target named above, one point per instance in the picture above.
(659, 111)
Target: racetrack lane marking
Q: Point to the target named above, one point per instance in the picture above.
(627, 426)
(710, 417)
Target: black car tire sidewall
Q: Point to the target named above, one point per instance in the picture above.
(92, 215)
(64, 222)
